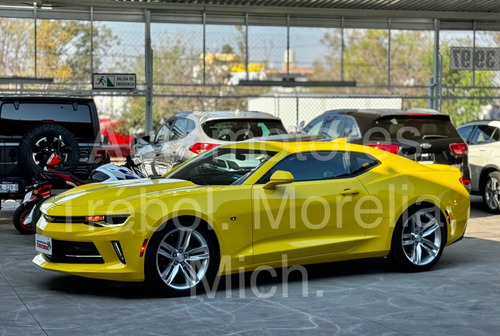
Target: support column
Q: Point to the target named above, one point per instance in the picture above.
(436, 79)
(149, 76)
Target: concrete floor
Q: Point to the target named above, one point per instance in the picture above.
(460, 296)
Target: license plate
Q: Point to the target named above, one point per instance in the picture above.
(27, 196)
(43, 244)
(426, 158)
(7, 188)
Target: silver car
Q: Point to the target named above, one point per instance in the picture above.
(187, 134)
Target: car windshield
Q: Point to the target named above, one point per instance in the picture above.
(242, 129)
(222, 166)
(412, 127)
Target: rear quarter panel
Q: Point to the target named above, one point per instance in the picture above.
(395, 187)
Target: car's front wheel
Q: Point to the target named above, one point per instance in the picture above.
(418, 239)
(181, 259)
(491, 192)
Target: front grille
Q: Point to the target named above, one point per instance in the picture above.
(74, 253)
(65, 220)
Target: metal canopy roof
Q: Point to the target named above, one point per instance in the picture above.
(439, 9)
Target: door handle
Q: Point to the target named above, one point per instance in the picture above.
(349, 191)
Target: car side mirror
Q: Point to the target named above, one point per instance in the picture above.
(279, 177)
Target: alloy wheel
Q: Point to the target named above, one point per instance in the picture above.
(182, 258)
(421, 238)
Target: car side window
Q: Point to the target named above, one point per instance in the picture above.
(465, 132)
(164, 132)
(484, 134)
(314, 126)
(351, 129)
(179, 129)
(312, 166)
(334, 128)
(361, 162)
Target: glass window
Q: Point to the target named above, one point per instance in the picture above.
(413, 127)
(484, 134)
(351, 129)
(314, 126)
(333, 128)
(313, 166)
(39, 112)
(164, 132)
(179, 129)
(242, 129)
(361, 162)
(465, 132)
(222, 166)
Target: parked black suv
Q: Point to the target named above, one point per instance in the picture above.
(422, 135)
(34, 128)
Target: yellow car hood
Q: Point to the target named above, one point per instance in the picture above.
(111, 192)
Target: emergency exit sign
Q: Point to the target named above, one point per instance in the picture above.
(116, 81)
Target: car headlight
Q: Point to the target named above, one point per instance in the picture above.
(95, 220)
(106, 220)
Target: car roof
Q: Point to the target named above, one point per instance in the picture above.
(482, 122)
(313, 146)
(209, 115)
(383, 112)
(35, 98)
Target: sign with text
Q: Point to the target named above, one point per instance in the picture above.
(484, 58)
(113, 81)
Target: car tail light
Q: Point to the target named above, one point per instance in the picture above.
(201, 147)
(391, 148)
(458, 149)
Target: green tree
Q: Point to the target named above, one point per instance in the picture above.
(16, 56)
(365, 61)
(63, 48)
(458, 87)
(178, 78)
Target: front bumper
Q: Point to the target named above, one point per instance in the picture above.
(89, 251)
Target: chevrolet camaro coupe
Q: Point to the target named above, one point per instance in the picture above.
(250, 205)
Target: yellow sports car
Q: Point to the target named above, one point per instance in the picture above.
(250, 205)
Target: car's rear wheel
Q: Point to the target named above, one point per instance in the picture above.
(181, 260)
(19, 217)
(491, 192)
(418, 239)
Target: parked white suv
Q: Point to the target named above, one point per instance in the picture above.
(483, 139)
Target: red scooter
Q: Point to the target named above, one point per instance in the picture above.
(53, 182)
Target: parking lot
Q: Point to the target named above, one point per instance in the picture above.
(460, 296)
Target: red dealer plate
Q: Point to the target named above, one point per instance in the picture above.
(43, 244)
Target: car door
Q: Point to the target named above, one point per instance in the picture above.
(483, 143)
(317, 214)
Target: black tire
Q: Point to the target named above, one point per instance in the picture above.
(491, 192)
(423, 231)
(20, 215)
(41, 141)
(166, 255)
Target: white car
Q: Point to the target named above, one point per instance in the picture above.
(483, 139)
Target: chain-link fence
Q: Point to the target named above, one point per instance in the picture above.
(200, 67)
